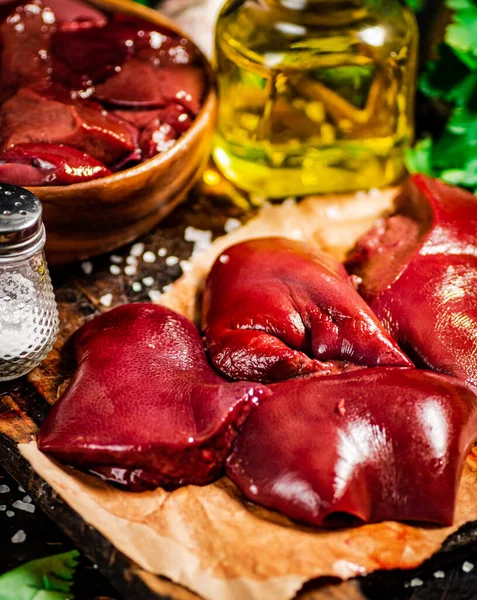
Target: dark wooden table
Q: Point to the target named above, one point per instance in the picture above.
(211, 213)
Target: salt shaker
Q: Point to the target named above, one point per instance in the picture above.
(28, 313)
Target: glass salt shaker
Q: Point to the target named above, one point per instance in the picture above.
(28, 313)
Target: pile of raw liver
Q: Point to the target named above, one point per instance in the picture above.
(314, 407)
(84, 94)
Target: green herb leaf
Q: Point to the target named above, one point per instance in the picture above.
(49, 578)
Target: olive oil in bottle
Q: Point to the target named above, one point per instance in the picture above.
(315, 96)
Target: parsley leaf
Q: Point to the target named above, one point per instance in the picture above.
(49, 578)
(452, 78)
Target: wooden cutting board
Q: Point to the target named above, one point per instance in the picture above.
(24, 403)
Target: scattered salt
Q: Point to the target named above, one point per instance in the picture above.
(162, 252)
(201, 239)
(149, 257)
(136, 286)
(87, 267)
(171, 261)
(186, 266)
(19, 537)
(253, 489)
(137, 249)
(439, 574)
(4, 489)
(106, 300)
(20, 489)
(131, 260)
(416, 582)
(3, 507)
(26, 498)
(130, 270)
(224, 259)
(24, 506)
(117, 260)
(467, 566)
(148, 281)
(115, 270)
(154, 295)
(232, 224)
(10, 513)
(166, 288)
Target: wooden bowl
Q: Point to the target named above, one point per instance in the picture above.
(86, 219)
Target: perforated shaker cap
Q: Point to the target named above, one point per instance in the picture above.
(20, 219)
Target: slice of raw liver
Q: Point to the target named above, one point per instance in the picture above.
(145, 401)
(26, 46)
(423, 283)
(48, 164)
(139, 84)
(373, 445)
(275, 308)
(74, 14)
(47, 114)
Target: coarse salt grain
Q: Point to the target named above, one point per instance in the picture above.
(137, 249)
(4, 489)
(117, 260)
(87, 267)
(416, 582)
(27, 498)
(10, 513)
(149, 257)
(224, 259)
(20, 489)
(130, 270)
(167, 287)
(3, 507)
(106, 300)
(201, 239)
(231, 225)
(467, 566)
(439, 574)
(24, 506)
(171, 261)
(136, 286)
(148, 281)
(154, 295)
(131, 260)
(115, 270)
(19, 537)
(186, 266)
(162, 252)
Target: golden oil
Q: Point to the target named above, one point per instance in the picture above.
(316, 96)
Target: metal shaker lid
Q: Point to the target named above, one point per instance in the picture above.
(20, 218)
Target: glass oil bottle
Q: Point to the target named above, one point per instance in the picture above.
(316, 96)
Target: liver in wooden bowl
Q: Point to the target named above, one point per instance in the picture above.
(107, 114)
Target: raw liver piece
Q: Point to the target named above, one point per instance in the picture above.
(26, 46)
(145, 401)
(139, 84)
(47, 114)
(74, 14)
(426, 295)
(48, 164)
(135, 85)
(372, 445)
(275, 308)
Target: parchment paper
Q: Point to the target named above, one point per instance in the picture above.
(208, 539)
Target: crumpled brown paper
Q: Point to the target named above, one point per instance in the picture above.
(209, 539)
